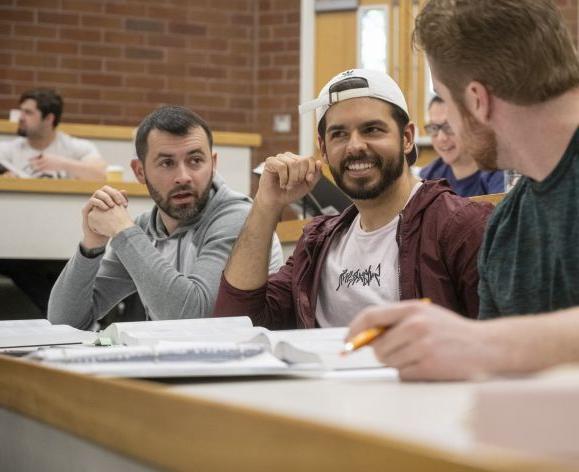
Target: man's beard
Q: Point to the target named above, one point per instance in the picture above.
(479, 142)
(22, 132)
(362, 190)
(183, 213)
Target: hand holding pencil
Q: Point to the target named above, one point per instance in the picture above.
(422, 340)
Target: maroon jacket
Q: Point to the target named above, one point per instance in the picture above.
(439, 235)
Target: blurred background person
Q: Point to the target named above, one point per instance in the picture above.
(456, 167)
(41, 150)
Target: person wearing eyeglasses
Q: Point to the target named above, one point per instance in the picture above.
(455, 165)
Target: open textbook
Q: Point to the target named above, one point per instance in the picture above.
(209, 347)
(25, 333)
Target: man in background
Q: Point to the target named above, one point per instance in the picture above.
(454, 165)
(42, 150)
(173, 256)
(510, 77)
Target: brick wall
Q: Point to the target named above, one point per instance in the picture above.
(233, 61)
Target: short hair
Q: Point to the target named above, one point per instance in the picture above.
(397, 113)
(433, 100)
(47, 101)
(520, 50)
(171, 119)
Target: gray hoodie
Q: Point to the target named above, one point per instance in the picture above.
(176, 276)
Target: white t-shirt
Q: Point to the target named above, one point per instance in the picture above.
(18, 151)
(361, 269)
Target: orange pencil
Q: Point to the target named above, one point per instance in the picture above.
(367, 336)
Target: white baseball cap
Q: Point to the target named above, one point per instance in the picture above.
(374, 84)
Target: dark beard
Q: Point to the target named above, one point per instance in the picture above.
(182, 213)
(391, 172)
(479, 142)
(22, 132)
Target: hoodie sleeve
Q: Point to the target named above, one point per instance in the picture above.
(462, 240)
(87, 289)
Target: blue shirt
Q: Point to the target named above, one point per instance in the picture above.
(479, 183)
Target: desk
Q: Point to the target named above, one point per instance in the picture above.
(41, 218)
(264, 425)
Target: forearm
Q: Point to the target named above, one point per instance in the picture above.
(531, 343)
(88, 169)
(71, 298)
(247, 268)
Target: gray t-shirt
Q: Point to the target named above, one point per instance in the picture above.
(529, 259)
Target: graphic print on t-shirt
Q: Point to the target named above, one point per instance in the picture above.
(359, 277)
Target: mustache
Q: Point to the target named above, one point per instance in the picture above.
(357, 158)
(181, 188)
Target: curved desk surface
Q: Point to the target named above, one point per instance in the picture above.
(262, 425)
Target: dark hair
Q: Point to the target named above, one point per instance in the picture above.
(172, 119)
(47, 101)
(398, 114)
(433, 100)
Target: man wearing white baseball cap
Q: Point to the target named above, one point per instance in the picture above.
(401, 239)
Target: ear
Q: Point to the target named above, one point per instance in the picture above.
(477, 99)
(49, 119)
(138, 170)
(408, 137)
(322, 146)
(214, 161)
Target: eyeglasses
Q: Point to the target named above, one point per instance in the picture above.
(433, 129)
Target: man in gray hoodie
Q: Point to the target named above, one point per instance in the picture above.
(174, 255)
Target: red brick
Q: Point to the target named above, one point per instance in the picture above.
(123, 95)
(145, 82)
(190, 29)
(57, 47)
(37, 31)
(6, 89)
(16, 15)
(50, 77)
(123, 38)
(131, 67)
(167, 13)
(241, 102)
(32, 4)
(81, 35)
(212, 101)
(100, 50)
(206, 17)
(35, 60)
(144, 25)
(13, 44)
(101, 108)
(187, 84)
(92, 6)
(166, 97)
(80, 63)
(132, 10)
(84, 93)
(207, 72)
(174, 70)
(144, 53)
(6, 58)
(106, 80)
(58, 18)
(101, 21)
(166, 40)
